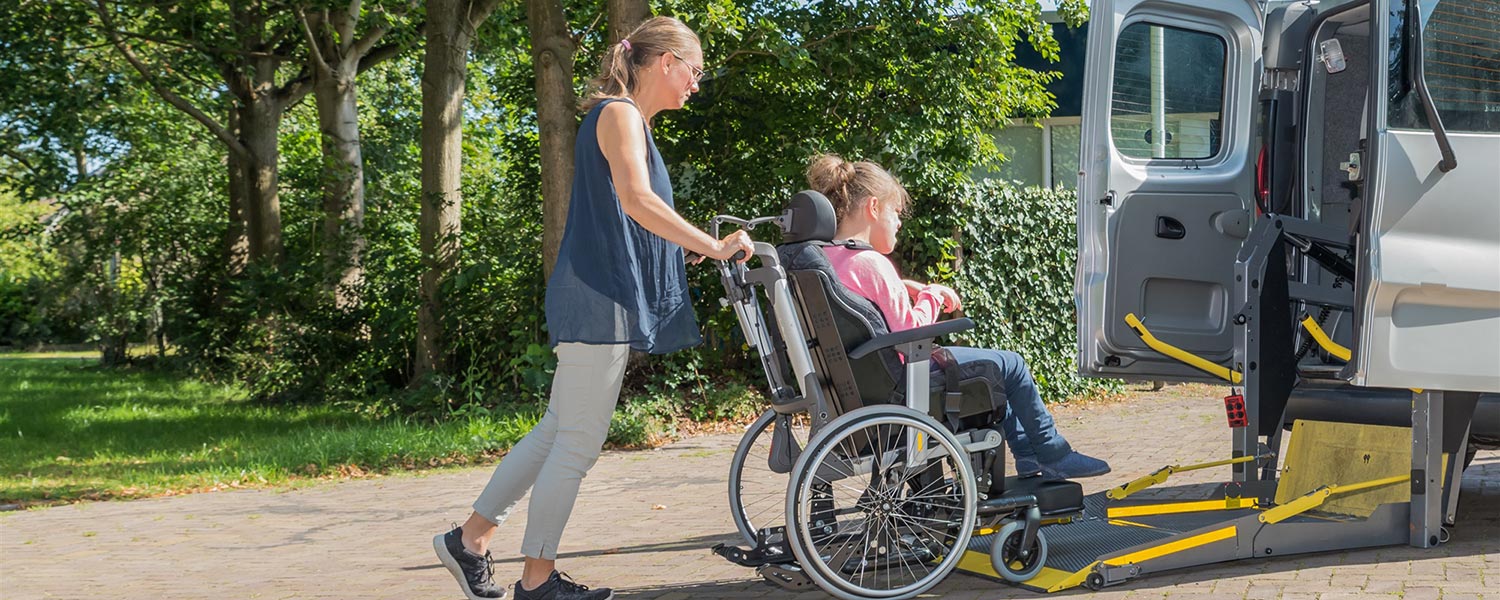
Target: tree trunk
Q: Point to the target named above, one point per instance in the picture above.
(442, 150)
(343, 186)
(260, 122)
(552, 52)
(236, 245)
(450, 30)
(625, 15)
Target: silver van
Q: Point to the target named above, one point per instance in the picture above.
(1371, 127)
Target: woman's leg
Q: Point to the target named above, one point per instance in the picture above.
(585, 375)
(582, 412)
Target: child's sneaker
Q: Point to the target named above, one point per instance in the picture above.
(1028, 467)
(1075, 465)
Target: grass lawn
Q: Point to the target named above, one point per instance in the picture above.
(70, 430)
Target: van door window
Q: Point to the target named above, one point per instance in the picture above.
(1461, 44)
(1168, 94)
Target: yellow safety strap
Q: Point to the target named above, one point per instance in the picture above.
(1312, 327)
(1196, 361)
(1160, 476)
(1318, 496)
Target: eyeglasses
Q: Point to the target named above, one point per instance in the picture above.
(697, 72)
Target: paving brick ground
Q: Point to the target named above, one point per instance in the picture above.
(644, 525)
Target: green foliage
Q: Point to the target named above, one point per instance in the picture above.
(918, 87)
(1016, 279)
(26, 268)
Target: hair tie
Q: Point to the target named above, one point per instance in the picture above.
(626, 43)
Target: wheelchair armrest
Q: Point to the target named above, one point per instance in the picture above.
(891, 340)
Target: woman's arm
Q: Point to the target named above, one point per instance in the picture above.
(622, 138)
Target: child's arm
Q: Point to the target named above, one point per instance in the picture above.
(873, 276)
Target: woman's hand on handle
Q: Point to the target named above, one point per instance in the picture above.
(736, 246)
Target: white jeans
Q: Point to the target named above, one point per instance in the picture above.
(552, 460)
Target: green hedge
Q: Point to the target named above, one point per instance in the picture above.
(1018, 250)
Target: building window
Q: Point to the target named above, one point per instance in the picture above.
(1044, 154)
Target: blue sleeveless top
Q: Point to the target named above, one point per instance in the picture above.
(615, 282)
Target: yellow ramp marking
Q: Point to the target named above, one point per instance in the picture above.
(1180, 507)
(1123, 522)
(1047, 580)
(1173, 547)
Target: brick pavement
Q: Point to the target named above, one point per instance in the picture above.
(644, 524)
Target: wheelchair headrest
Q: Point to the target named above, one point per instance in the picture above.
(810, 217)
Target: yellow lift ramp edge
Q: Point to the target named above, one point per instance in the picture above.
(1285, 529)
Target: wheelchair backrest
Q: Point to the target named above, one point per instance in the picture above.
(834, 318)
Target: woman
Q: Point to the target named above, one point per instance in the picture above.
(618, 285)
(868, 202)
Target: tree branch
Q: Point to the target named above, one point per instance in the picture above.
(360, 48)
(381, 54)
(314, 52)
(212, 53)
(291, 93)
(578, 37)
(20, 158)
(213, 126)
(479, 10)
(344, 23)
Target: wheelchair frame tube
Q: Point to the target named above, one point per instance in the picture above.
(791, 333)
(918, 388)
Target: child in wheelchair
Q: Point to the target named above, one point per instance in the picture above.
(882, 451)
(868, 203)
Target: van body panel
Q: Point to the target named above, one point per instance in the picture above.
(1430, 316)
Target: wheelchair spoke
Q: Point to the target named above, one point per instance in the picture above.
(872, 526)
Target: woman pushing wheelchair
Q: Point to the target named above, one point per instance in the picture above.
(619, 285)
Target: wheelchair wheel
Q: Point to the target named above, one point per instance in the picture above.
(1006, 558)
(757, 481)
(864, 521)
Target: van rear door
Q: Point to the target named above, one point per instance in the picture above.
(1166, 180)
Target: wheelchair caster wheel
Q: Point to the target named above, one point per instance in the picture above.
(1094, 582)
(1007, 558)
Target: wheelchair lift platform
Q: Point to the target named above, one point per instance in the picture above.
(1344, 486)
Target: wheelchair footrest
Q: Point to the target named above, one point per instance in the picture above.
(759, 556)
(788, 576)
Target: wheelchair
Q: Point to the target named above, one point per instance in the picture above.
(872, 472)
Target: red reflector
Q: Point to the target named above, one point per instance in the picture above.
(1234, 408)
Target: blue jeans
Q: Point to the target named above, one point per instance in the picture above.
(1028, 427)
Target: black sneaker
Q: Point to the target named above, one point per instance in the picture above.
(560, 587)
(474, 573)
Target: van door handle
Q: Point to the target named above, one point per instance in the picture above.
(1169, 228)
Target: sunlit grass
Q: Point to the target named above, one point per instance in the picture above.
(70, 430)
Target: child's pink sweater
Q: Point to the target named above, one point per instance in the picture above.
(870, 274)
